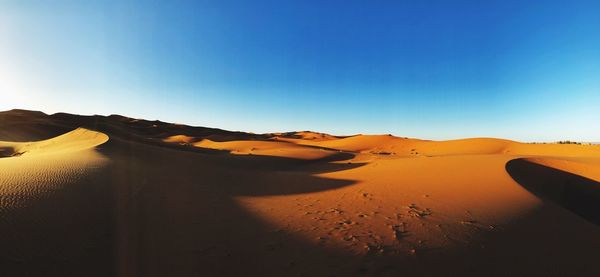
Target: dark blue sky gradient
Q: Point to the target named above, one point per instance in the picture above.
(526, 70)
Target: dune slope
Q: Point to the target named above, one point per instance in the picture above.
(51, 204)
(147, 198)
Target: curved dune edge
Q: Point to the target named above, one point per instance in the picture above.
(76, 140)
(53, 203)
(562, 182)
(586, 167)
(34, 169)
(316, 145)
(382, 204)
(269, 148)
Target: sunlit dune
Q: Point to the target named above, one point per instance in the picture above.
(588, 166)
(52, 202)
(128, 197)
(181, 139)
(77, 140)
(268, 148)
(304, 136)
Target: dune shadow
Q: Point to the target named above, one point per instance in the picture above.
(6, 152)
(153, 211)
(179, 208)
(578, 194)
(57, 228)
(160, 209)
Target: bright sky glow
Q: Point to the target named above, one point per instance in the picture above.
(524, 70)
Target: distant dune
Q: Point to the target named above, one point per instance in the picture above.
(117, 196)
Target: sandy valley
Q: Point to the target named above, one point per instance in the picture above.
(117, 196)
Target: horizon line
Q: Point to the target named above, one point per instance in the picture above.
(295, 131)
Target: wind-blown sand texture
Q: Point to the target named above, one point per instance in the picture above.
(116, 196)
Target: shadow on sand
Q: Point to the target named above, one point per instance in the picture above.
(578, 194)
(177, 214)
(159, 210)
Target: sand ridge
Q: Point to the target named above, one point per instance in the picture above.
(149, 198)
(76, 140)
(52, 203)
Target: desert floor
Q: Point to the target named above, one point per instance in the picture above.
(116, 196)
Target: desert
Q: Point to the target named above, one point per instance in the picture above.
(118, 196)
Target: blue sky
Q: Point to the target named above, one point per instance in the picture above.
(525, 70)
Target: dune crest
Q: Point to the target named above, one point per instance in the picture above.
(76, 140)
(572, 185)
(53, 204)
(268, 148)
(181, 139)
(167, 199)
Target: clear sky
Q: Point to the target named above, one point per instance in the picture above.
(525, 70)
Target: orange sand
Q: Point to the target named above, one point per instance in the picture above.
(125, 197)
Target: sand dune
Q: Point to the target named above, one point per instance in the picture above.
(268, 148)
(76, 140)
(129, 197)
(562, 182)
(51, 206)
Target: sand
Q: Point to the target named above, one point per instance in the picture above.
(116, 196)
